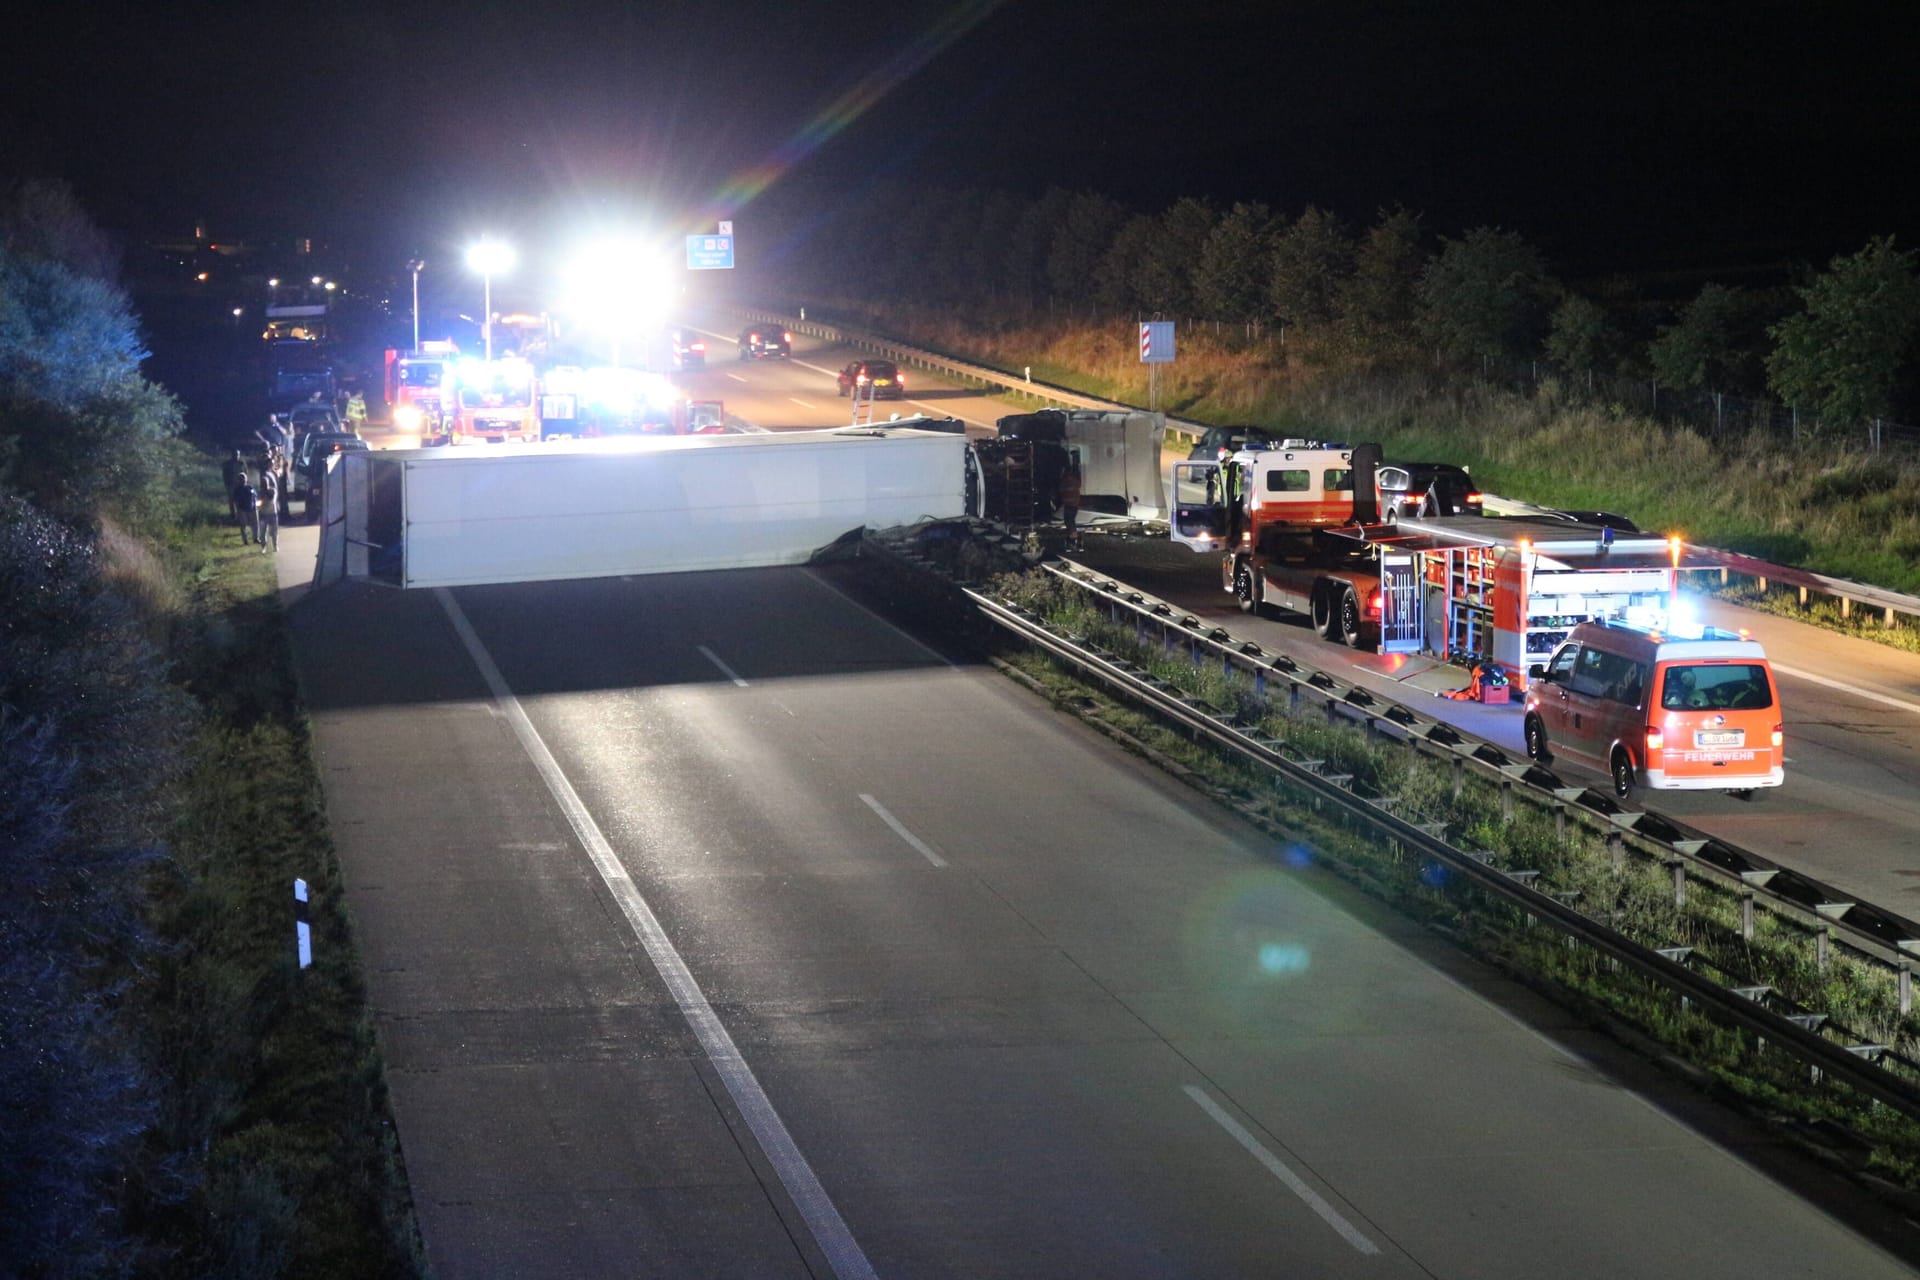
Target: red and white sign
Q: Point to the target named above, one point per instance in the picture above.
(1156, 342)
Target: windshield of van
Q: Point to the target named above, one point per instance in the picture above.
(1733, 686)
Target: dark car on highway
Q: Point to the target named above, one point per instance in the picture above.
(765, 342)
(1222, 442)
(310, 461)
(1426, 489)
(878, 379)
(688, 351)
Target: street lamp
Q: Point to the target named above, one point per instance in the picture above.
(414, 266)
(487, 257)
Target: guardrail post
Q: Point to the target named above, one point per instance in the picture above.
(1822, 947)
(1559, 822)
(1259, 683)
(1459, 776)
(1679, 882)
(1617, 846)
(1803, 597)
(1506, 800)
(1846, 606)
(1906, 988)
(1746, 914)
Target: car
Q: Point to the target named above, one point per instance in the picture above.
(765, 342)
(1217, 443)
(1671, 708)
(310, 460)
(688, 351)
(1426, 489)
(877, 379)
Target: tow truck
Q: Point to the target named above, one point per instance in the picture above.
(1298, 528)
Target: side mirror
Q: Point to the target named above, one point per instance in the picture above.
(1538, 671)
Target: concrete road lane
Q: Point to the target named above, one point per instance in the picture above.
(1023, 1006)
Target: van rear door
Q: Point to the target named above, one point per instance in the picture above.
(1717, 719)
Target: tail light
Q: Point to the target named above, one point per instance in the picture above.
(699, 346)
(899, 379)
(1656, 739)
(1373, 605)
(862, 379)
(786, 337)
(1476, 499)
(1779, 737)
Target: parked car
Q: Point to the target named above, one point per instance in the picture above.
(1605, 519)
(1426, 489)
(1221, 442)
(310, 462)
(765, 342)
(880, 379)
(689, 352)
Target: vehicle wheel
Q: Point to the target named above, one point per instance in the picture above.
(1349, 619)
(1622, 774)
(1322, 614)
(1537, 740)
(1246, 590)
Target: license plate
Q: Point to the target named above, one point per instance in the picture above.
(1709, 738)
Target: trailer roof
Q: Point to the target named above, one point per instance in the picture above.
(1556, 542)
(905, 429)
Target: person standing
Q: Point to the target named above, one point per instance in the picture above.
(1070, 501)
(246, 509)
(268, 529)
(232, 471)
(356, 413)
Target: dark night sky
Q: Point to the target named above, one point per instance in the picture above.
(1616, 135)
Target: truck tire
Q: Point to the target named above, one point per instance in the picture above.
(1246, 590)
(1347, 624)
(1322, 614)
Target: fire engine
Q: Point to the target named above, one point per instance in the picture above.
(419, 387)
(1298, 528)
(494, 401)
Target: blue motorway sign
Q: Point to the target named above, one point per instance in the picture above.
(709, 253)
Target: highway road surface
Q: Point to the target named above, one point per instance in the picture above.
(1849, 813)
(714, 927)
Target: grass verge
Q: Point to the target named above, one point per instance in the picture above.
(278, 1092)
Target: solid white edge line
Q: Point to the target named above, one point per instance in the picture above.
(1843, 687)
(725, 670)
(802, 403)
(1274, 1165)
(829, 1229)
(736, 377)
(900, 829)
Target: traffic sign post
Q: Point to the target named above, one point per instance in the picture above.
(1156, 349)
(709, 253)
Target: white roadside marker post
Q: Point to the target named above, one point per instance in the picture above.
(302, 924)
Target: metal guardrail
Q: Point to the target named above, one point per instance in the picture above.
(1857, 1065)
(1878, 934)
(1891, 604)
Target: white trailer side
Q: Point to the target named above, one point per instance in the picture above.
(600, 508)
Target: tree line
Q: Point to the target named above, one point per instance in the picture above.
(1840, 343)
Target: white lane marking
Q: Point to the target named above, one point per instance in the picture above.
(1843, 687)
(802, 403)
(725, 670)
(900, 829)
(736, 377)
(829, 1229)
(1332, 1216)
(915, 641)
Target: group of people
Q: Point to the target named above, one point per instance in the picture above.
(255, 508)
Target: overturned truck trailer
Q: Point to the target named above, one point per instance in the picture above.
(1117, 451)
(600, 508)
